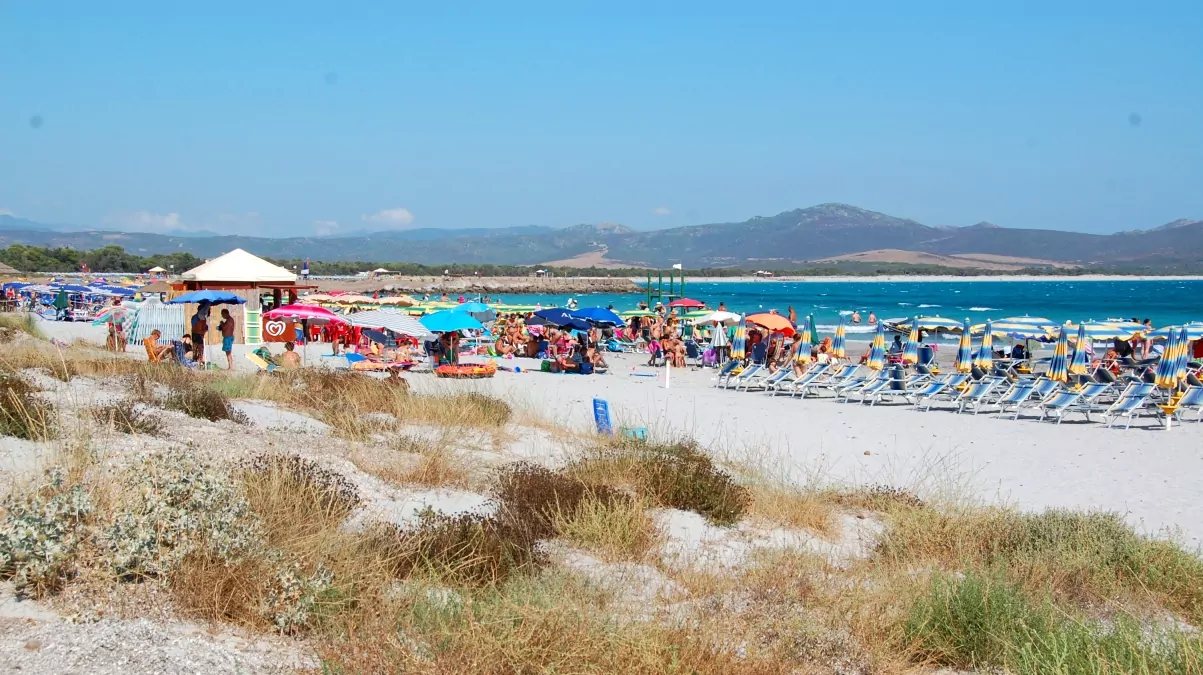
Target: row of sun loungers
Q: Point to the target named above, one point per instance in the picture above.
(1005, 397)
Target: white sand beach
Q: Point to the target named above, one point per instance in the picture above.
(1145, 473)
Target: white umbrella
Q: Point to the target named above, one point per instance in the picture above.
(388, 319)
(725, 318)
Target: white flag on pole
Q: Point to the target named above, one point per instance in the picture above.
(677, 266)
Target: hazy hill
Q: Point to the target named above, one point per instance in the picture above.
(788, 239)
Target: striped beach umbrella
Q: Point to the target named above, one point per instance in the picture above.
(910, 351)
(877, 352)
(985, 353)
(1167, 367)
(1194, 331)
(933, 323)
(739, 343)
(1106, 330)
(803, 342)
(1077, 364)
(1183, 353)
(1058, 369)
(964, 360)
(1015, 329)
(837, 344)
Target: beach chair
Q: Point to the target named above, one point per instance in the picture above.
(1192, 399)
(947, 389)
(1042, 388)
(832, 380)
(1014, 397)
(759, 353)
(763, 379)
(802, 382)
(693, 351)
(906, 387)
(1129, 403)
(1060, 402)
(976, 395)
(260, 363)
(857, 384)
(745, 374)
(151, 352)
(725, 373)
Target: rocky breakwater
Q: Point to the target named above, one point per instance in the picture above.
(512, 285)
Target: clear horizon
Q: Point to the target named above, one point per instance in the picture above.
(298, 119)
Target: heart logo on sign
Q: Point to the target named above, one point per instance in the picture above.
(275, 328)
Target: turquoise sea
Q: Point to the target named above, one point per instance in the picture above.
(1164, 301)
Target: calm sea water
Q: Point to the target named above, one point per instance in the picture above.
(1165, 302)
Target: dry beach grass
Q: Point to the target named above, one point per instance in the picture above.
(814, 578)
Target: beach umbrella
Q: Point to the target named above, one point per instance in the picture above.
(303, 313)
(877, 350)
(317, 297)
(933, 323)
(447, 321)
(109, 314)
(558, 317)
(723, 317)
(1015, 329)
(910, 351)
(400, 300)
(985, 353)
(352, 299)
(1030, 320)
(389, 319)
(1167, 367)
(774, 322)
(1183, 355)
(1194, 331)
(838, 343)
(479, 311)
(637, 312)
(598, 315)
(73, 288)
(1106, 330)
(739, 343)
(211, 297)
(804, 343)
(1058, 368)
(964, 360)
(687, 302)
(1077, 364)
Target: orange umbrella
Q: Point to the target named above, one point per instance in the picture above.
(774, 322)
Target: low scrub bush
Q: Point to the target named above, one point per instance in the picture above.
(323, 490)
(128, 417)
(201, 402)
(616, 529)
(535, 496)
(481, 409)
(40, 532)
(22, 413)
(678, 475)
(13, 325)
(179, 506)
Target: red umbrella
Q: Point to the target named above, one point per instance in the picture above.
(303, 313)
(686, 302)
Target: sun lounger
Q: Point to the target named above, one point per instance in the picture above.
(857, 384)
(744, 375)
(794, 384)
(260, 363)
(1057, 404)
(976, 395)
(1129, 403)
(907, 388)
(1192, 399)
(940, 390)
(725, 373)
(832, 380)
(1014, 397)
(1042, 388)
(764, 379)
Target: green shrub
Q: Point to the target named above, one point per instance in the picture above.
(40, 533)
(985, 622)
(201, 402)
(682, 476)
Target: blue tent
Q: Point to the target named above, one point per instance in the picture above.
(599, 315)
(448, 321)
(211, 297)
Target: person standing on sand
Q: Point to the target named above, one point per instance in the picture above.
(226, 326)
(200, 326)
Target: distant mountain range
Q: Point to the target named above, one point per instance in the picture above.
(790, 239)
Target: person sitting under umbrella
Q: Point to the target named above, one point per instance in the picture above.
(290, 359)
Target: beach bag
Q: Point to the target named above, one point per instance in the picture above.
(545, 366)
(586, 368)
(709, 357)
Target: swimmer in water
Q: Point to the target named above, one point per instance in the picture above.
(872, 318)
(855, 317)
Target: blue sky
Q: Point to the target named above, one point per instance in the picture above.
(294, 118)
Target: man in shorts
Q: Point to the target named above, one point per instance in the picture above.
(200, 326)
(227, 337)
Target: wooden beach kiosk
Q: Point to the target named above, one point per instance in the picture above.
(247, 276)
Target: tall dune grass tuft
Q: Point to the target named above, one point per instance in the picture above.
(23, 413)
